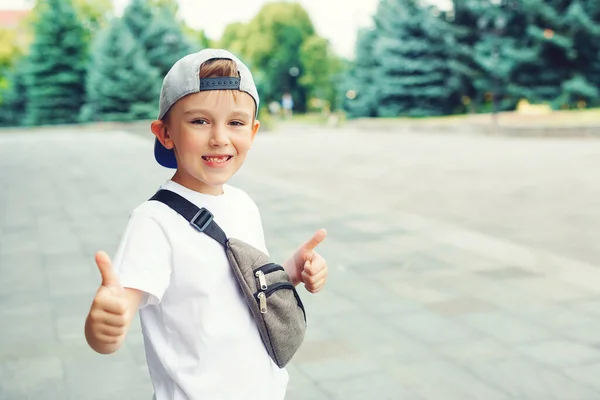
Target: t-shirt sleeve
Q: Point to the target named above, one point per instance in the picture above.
(143, 260)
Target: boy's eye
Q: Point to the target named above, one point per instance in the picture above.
(236, 123)
(199, 121)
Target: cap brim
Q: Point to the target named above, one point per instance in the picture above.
(164, 156)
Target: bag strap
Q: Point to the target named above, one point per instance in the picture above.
(200, 218)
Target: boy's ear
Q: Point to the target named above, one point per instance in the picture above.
(159, 129)
(255, 128)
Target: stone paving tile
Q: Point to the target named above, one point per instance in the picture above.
(572, 324)
(507, 273)
(460, 306)
(21, 279)
(431, 328)
(419, 291)
(125, 376)
(463, 259)
(589, 307)
(549, 288)
(560, 353)
(309, 393)
(346, 368)
(506, 328)
(26, 328)
(483, 349)
(376, 386)
(523, 379)
(436, 392)
(421, 376)
(31, 377)
(301, 387)
(587, 374)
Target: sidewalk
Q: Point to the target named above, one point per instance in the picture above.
(414, 309)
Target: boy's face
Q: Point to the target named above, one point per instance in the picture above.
(211, 133)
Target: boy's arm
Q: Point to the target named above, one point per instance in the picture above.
(112, 310)
(307, 266)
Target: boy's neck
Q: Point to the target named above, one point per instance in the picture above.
(196, 185)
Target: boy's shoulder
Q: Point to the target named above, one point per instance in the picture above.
(238, 192)
(242, 196)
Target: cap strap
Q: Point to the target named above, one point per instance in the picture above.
(220, 83)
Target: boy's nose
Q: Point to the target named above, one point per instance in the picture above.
(219, 137)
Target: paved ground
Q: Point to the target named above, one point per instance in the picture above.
(461, 267)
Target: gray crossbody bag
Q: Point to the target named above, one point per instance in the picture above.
(272, 298)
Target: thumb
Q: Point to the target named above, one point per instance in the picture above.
(317, 238)
(109, 278)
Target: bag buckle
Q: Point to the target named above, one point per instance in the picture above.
(201, 220)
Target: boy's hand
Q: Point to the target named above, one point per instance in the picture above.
(308, 266)
(108, 317)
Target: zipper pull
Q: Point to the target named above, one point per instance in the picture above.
(262, 281)
(263, 302)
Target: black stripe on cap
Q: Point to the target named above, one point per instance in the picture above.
(220, 83)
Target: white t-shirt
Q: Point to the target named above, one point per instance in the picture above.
(200, 338)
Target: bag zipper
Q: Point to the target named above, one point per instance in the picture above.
(262, 271)
(268, 268)
(263, 295)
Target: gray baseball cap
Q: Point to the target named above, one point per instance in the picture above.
(184, 78)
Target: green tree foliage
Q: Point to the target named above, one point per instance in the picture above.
(138, 16)
(271, 45)
(557, 60)
(415, 75)
(498, 51)
(547, 35)
(13, 97)
(198, 38)
(93, 14)
(582, 20)
(361, 97)
(320, 69)
(10, 52)
(56, 65)
(165, 42)
(122, 85)
(234, 38)
(431, 62)
(154, 24)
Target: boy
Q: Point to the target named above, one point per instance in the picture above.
(200, 339)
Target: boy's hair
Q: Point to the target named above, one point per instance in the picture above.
(218, 67)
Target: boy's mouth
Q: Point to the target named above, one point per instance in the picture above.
(217, 159)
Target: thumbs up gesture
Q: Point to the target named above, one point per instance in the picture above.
(309, 266)
(108, 318)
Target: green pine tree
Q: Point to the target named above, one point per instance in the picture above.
(463, 19)
(138, 16)
(56, 65)
(500, 51)
(156, 28)
(548, 35)
(582, 20)
(418, 73)
(122, 85)
(13, 98)
(165, 42)
(361, 96)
